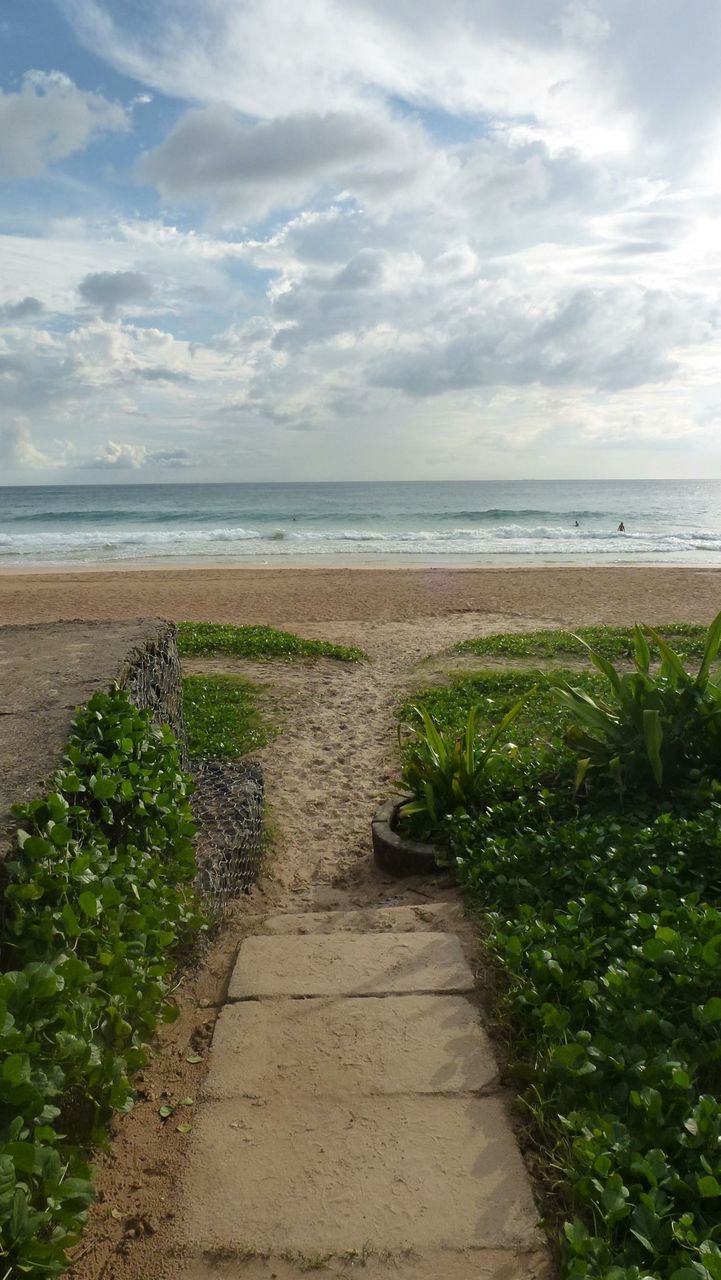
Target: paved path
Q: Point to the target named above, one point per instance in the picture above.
(352, 1119)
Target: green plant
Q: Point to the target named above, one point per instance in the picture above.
(98, 900)
(612, 642)
(606, 933)
(659, 729)
(259, 642)
(222, 718)
(446, 773)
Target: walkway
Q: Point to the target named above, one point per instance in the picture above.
(352, 1122)
(353, 1113)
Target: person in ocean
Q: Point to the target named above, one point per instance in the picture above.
(622, 527)
(575, 524)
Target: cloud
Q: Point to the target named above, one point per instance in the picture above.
(447, 238)
(215, 158)
(616, 338)
(124, 456)
(48, 119)
(17, 448)
(23, 309)
(111, 290)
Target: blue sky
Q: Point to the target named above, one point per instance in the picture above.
(266, 239)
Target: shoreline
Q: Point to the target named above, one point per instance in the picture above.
(565, 595)
(334, 563)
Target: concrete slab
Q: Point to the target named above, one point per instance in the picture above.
(476, 1264)
(349, 964)
(382, 1045)
(319, 1176)
(443, 917)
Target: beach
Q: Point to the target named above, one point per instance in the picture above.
(304, 595)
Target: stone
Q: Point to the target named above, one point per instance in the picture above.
(475, 1264)
(350, 964)
(390, 1044)
(437, 916)
(315, 1176)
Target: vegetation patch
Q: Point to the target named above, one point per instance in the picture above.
(599, 899)
(222, 717)
(98, 901)
(198, 639)
(542, 719)
(615, 643)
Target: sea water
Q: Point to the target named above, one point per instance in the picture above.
(467, 522)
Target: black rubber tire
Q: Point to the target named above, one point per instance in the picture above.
(395, 854)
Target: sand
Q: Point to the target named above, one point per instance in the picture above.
(302, 594)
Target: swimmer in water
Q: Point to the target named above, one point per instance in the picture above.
(622, 527)
(576, 524)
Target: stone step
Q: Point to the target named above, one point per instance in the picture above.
(381, 1045)
(438, 916)
(320, 1176)
(349, 964)
(475, 1264)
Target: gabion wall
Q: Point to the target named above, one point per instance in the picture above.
(228, 807)
(153, 680)
(228, 799)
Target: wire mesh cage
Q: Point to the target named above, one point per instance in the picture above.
(228, 808)
(228, 797)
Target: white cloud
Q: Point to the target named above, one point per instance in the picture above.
(124, 456)
(451, 234)
(17, 448)
(48, 119)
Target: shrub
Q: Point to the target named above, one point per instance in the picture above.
(446, 773)
(659, 730)
(98, 899)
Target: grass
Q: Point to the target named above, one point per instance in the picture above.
(612, 642)
(222, 717)
(540, 723)
(197, 639)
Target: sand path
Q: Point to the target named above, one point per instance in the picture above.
(337, 754)
(391, 1098)
(352, 1112)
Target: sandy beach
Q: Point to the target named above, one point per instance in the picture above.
(305, 595)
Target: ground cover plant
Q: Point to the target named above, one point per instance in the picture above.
(601, 917)
(197, 639)
(612, 642)
(223, 719)
(98, 900)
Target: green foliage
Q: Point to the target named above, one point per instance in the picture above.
(222, 719)
(202, 638)
(605, 927)
(541, 722)
(657, 730)
(612, 642)
(445, 773)
(98, 899)
(609, 937)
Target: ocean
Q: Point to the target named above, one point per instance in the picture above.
(466, 522)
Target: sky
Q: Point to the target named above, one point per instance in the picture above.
(359, 239)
